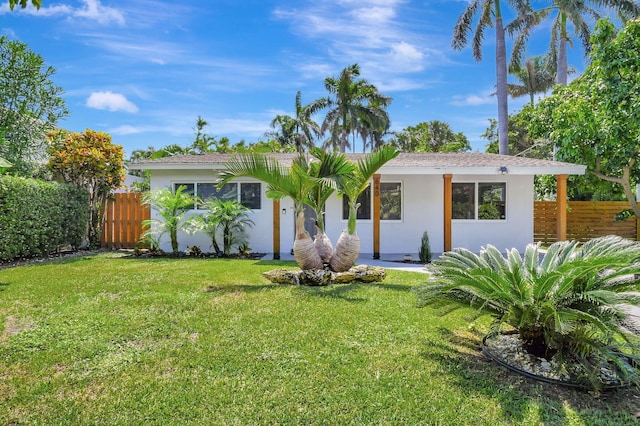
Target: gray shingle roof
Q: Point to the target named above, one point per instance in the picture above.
(413, 163)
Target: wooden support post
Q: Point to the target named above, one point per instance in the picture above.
(561, 200)
(447, 211)
(376, 216)
(276, 229)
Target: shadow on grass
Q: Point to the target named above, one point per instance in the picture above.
(3, 285)
(57, 259)
(459, 355)
(336, 291)
(239, 288)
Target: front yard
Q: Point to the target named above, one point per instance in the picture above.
(105, 339)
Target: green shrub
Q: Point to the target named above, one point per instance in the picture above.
(39, 217)
(571, 303)
(425, 249)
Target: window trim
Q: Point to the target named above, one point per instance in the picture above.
(476, 195)
(402, 193)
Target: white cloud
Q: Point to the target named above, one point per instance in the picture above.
(91, 9)
(110, 101)
(472, 100)
(126, 130)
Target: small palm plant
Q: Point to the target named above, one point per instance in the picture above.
(171, 207)
(571, 303)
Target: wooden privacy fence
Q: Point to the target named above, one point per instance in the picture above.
(585, 220)
(123, 218)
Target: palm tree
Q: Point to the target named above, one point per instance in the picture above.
(571, 302)
(353, 102)
(534, 77)
(294, 182)
(489, 9)
(352, 185)
(567, 11)
(171, 207)
(299, 130)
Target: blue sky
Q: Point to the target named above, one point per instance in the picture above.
(144, 70)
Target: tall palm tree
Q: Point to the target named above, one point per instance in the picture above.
(534, 77)
(300, 130)
(352, 101)
(490, 15)
(576, 13)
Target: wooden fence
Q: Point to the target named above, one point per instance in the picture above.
(585, 220)
(123, 220)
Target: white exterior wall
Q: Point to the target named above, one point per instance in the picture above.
(422, 210)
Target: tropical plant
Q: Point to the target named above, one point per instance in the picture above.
(490, 16)
(567, 12)
(355, 103)
(352, 185)
(228, 215)
(536, 76)
(571, 302)
(424, 253)
(171, 207)
(299, 130)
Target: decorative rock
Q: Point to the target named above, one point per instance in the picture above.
(321, 277)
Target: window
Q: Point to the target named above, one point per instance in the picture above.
(390, 201)
(364, 211)
(490, 203)
(463, 200)
(248, 194)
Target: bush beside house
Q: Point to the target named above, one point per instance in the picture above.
(38, 218)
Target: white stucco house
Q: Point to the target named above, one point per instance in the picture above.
(461, 199)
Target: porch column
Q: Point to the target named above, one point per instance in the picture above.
(376, 216)
(276, 229)
(447, 211)
(561, 206)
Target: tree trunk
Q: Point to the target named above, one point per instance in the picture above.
(346, 252)
(304, 250)
(562, 71)
(323, 245)
(501, 82)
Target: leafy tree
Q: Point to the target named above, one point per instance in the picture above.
(203, 142)
(521, 141)
(88, 160)
(567, 12)
(570, 303)
(490, 12)
(595, 120)
(30, 106)
(171, 207)
(433, 136)
(24, 3)
(353, 102)
(300, 130)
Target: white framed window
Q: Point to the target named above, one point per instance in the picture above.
(246, 193)
(390, 200)
(479, 200)
(390, 203)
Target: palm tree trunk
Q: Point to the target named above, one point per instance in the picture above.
(501, 82)
(304, 250)
(346, 252)
(562, 71)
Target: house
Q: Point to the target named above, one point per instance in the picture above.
(461, 199)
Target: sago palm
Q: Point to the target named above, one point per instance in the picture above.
(571, 302)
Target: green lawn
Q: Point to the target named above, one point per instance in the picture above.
(119, 341)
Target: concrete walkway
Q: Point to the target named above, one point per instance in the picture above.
(391, 261)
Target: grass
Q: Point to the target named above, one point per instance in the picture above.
(105, 339)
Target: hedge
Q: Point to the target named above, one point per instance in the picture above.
(38, 217)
